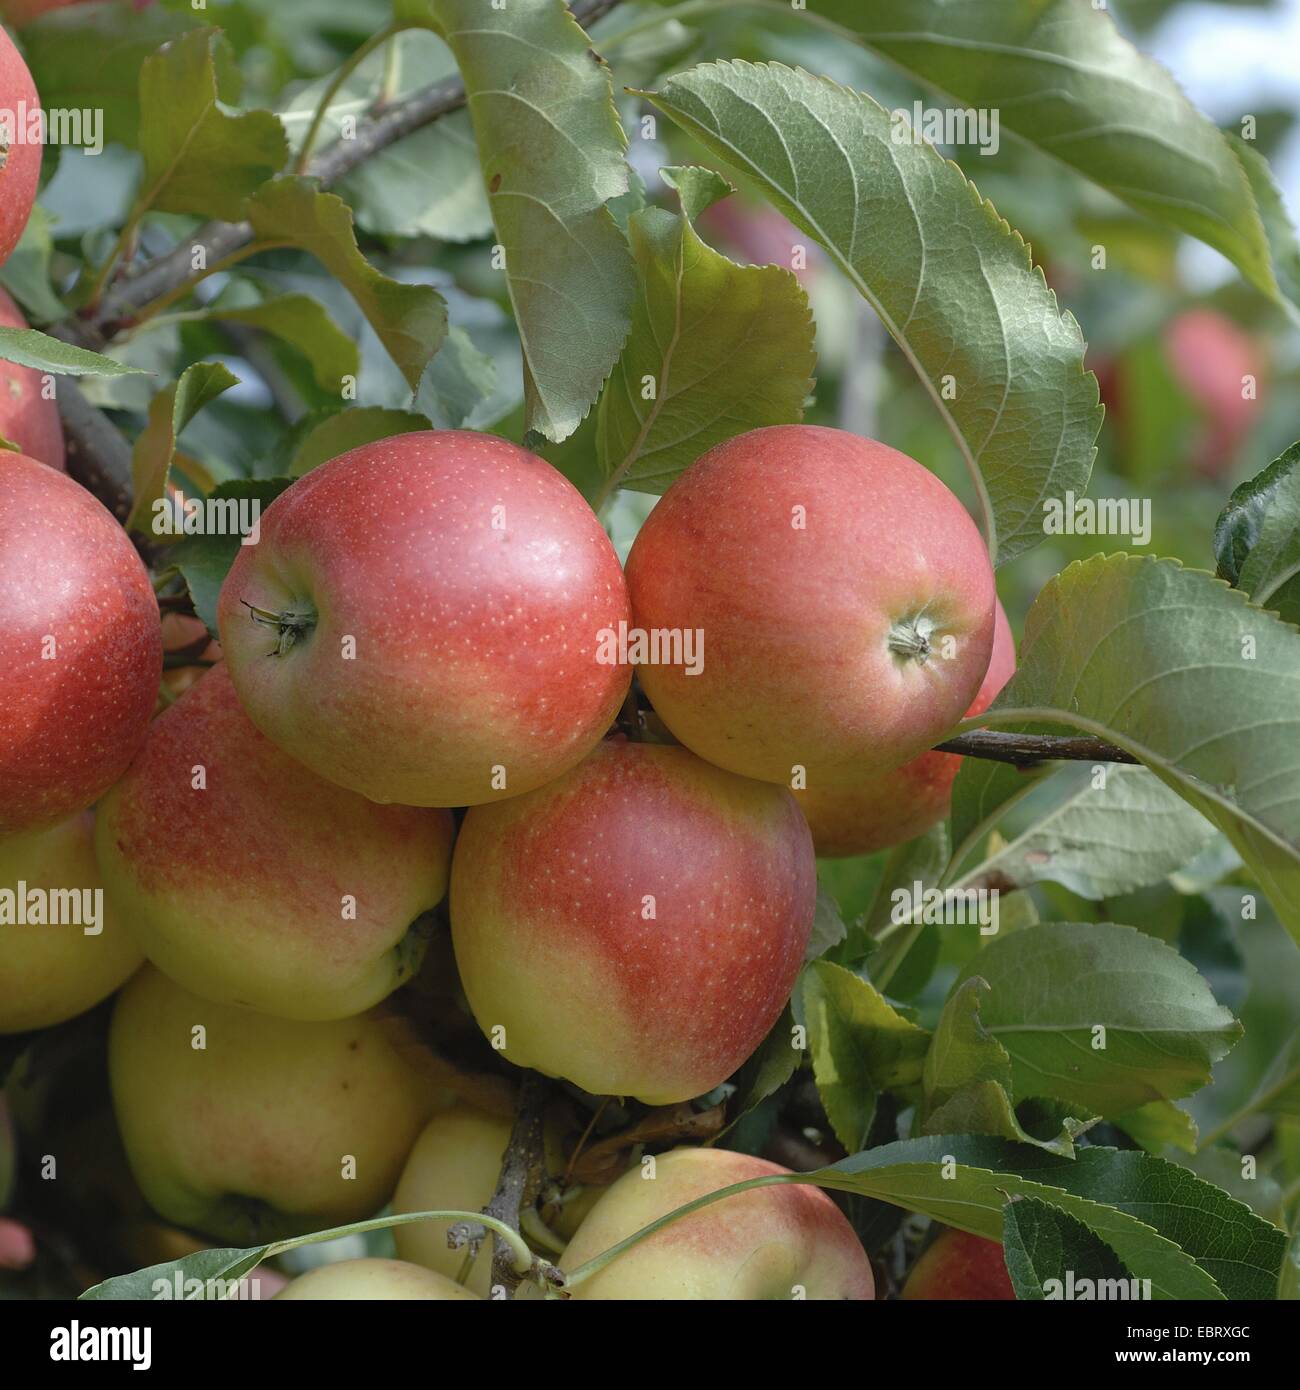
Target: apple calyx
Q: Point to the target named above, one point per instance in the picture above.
(289, 625)
(910, 638)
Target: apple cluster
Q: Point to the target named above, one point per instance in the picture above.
(411, 702)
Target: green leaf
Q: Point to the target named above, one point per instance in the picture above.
(457, 383)
(88, 57)
(1257, 537)
(26, 274)
(205, 560)
(410, 320)
(1288, 1283)
(951, 282)
(197, 158)
(1061, 76)
(551, 150)
(721, 347)
(169, 412)
(860, 1046)
(1177, 668)
(31, 348)
(326, 436)
(828, 926)
(210, 1269)
(305, 324)
(1110, 836)
(967, 1078)
(772, 1064)
(1158, 1125)
(1042, 1244)
(1102, 1016)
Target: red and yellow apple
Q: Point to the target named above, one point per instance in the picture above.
(52, 972)
(960, 1266)
(20, 157)
(636, 925)
(80, 651)
(785, 1240)
(892, 807)
(844, 597)
(454, 1166)
(421, 621)
(27, 417)
(373, 1279)
(250, 1128)
(251, 881)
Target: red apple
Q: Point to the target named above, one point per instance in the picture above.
(27, 418)
(785, 1240)
(20, 162)
(316, 923)
(1210, 356)
(20, 12)
(473, 581)
(635, 926)
(54, 970)
(960, 1266)
(80, 651)
(890, 808)
(844, 596)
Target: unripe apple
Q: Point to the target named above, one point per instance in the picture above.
(844, 596)
(421, 621)
(960, 1266)
(80, 651)
(386, 1280)
(251, 1128)
(49, 973)
(316, 920)
(20, 162)
(454, 1166)
(786, 1240)
(26, 417)
(892, 807)
(635, 926)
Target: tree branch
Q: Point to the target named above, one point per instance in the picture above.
(523, 1170)
(1028, 750)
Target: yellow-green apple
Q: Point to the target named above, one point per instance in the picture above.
(894, 806)
(20, 156)
(784, 1240)
(421, 621)
(80, 651)
(323, 917)
(453, 1167)
(386, 1280)
(28, 417)
(250, 1128)
(843, 596)
(64, 943)
(636, 925)
(960, 1266)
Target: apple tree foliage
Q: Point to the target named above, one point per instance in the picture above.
(313, 226)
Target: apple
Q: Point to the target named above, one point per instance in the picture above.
(635, 926)
(421, 620)
(49, 973)
(785, 1240)
(892, 807)
(266, 886)
(80, 651)
(454, 1166)
(960, 1266)
(249, 1128)
(20, 162)
(1210, 357)
(844, 597)
(386, 1280)
(27, 418)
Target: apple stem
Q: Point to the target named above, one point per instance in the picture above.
(288, 625)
